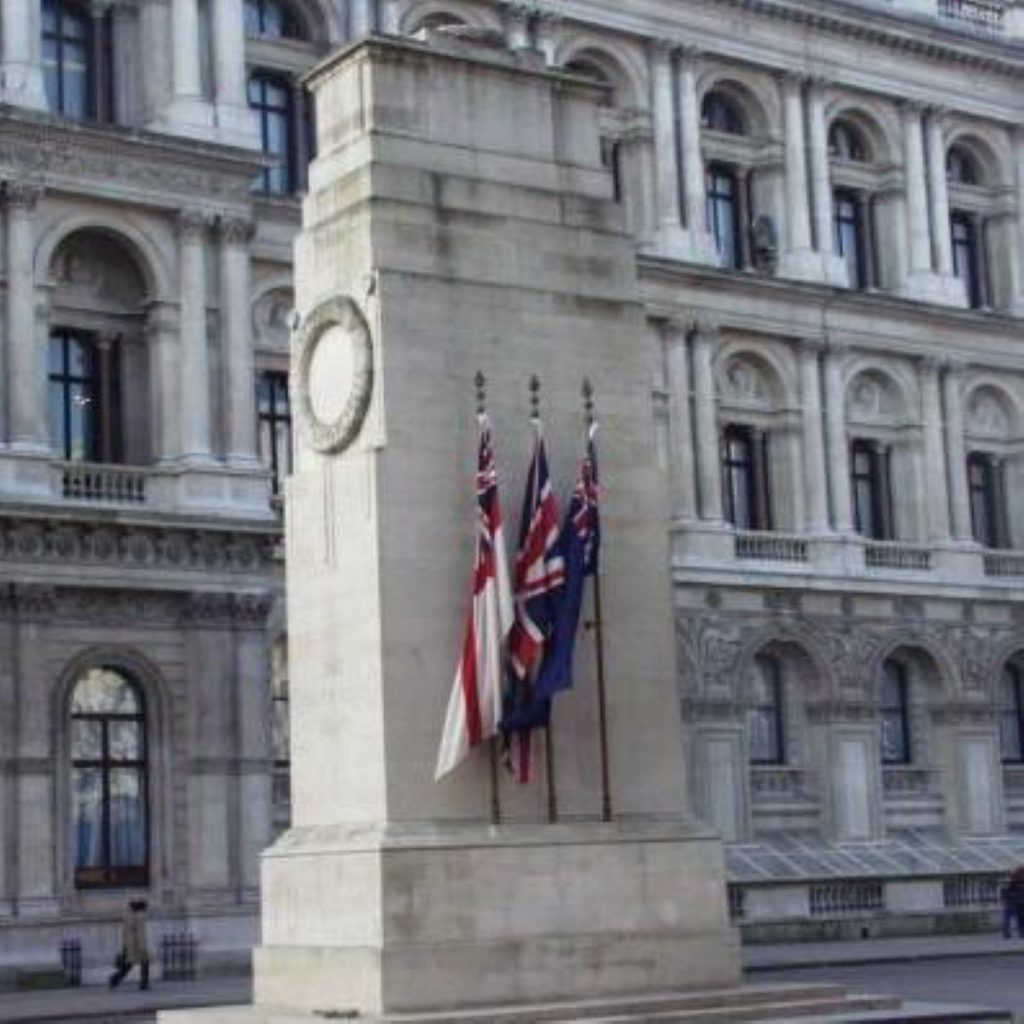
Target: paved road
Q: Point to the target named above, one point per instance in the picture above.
(996, 981)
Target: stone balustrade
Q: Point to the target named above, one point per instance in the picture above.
(95, 482)
(895, 555)
(770, 547)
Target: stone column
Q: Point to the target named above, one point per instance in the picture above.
(517, 26)
(362, 18)
(666, 152)
(162, 341)
(1017, 283)
(918, 234)
(821, 186)
(21, 68)
(185, 70)
(236, 342)
(693, 163)
(545, 34)
(27, 409)
(234, 118)
(838, 448)
(797, 215)
(815, 474)
(390, 17)
(709, 470)
(682, 482)
(937, 504)
(194, 405)
(942, 246)
(956, 456)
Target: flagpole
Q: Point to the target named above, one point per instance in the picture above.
(549, 739)
(481, 410)
(598, 623)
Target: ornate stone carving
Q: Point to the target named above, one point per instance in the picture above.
(235, 230)
(986, 416)
(224, 610)
(712, 647)
(135, 546)
(193, 224)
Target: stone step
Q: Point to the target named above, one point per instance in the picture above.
(917, 1013)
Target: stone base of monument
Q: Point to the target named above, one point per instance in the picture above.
(780, 1003)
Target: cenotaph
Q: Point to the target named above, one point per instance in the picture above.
(459, 219)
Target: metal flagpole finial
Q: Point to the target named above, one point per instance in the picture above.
(481, 393)
(534, 398)
(588, 400)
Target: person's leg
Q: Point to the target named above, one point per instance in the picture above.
(120, 971)
(1019, 909)
(144, 970)
(1007, 921)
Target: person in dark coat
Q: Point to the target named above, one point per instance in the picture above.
(134, 946)
(1013, 904)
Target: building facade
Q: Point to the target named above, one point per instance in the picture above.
(828, 206)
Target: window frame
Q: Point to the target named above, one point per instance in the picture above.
(878, 478)
(723, 208)
(64, 11)
(989, 492)
(718, 113)
(772, 712)
(899, 711)
(754, 467)
(851, 224)
(110, 875)
(1011, 673)
(292, 27)
(266, 78)
(966, 253)
(66, 381)
(277, 384)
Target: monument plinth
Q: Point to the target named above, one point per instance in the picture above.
(459, 219)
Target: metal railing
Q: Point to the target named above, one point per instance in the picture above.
(894, 555)
(770, 547)
(92, 481)
(71, 962)
(972, 890)
(847, 896)
(178, 956)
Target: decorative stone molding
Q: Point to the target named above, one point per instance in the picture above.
(135, 546)
(213, 610)
(193, 224)
(235, 230)
(22, 195)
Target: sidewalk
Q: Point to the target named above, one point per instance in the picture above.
(783, 956)
(127, 1003)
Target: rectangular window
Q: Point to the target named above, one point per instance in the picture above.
(849, 241)
(767, 715)
(895, 714)
(988, 510)
(270, 98)
(275, 425)
(74, 396)
(746, 478)
(722, 188)
(872, 495)
(1011, 715)
(965, 255)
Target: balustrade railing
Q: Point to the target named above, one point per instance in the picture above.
(908, 781)
(770, 547)
(894, 555)
(1003, 564)
(775, 782)
(90, 481)
(972, 890)
(981, 16)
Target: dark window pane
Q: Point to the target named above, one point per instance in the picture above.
(765, 719)
(895, 713)
(127, 818)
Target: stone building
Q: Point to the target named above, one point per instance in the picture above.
(827, 203)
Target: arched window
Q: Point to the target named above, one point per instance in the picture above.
(270, 96)
(961, 167)
(1011, 714)
(719, 114)
(895, 714)
(745, 473)
(270, 19)
(67, 58)
(766, 717)
(871, 485)
(110, 809)
(74, 396)
(845, 142)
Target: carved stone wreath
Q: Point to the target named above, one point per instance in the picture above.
(343, 428)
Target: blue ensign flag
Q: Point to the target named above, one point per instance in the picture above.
(580, 540)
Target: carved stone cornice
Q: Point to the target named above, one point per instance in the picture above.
(234, 230)
(219, 610)
(135, 546)
(193, 224)
(22, 195)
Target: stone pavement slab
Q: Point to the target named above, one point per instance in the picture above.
(98, 1003)
(783, 956)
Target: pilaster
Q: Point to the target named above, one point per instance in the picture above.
(194, 408)
(21, 65)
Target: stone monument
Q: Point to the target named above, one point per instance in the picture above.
(459, 219)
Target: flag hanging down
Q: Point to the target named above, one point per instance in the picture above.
(539, 578)
(579, 543)
(474, 708)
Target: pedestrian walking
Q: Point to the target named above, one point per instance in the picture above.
(134, 946)
(1013, 904)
